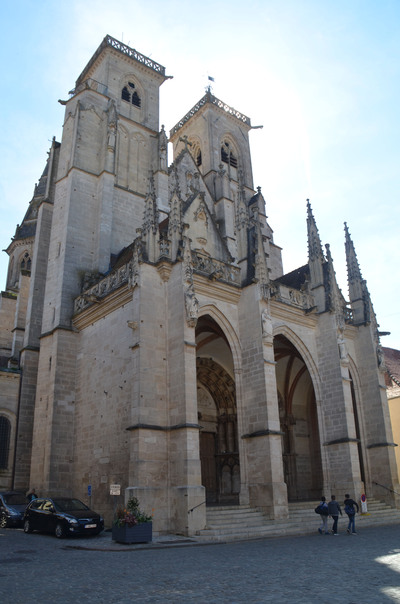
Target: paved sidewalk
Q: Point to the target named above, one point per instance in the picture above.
(311, 569)
(104, 542)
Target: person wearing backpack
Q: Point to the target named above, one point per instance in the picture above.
(351, 513)
(334, 511)
(323, 511)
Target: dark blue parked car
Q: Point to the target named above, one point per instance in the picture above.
(62, 516)
(12, 508)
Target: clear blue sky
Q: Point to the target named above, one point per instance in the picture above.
(322, 77)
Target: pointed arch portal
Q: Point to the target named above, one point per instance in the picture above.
(299, 423)
(217, 414)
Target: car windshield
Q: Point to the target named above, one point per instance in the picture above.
(69, 505)
(15, 499)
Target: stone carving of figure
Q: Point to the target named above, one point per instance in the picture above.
(163, 142)
(112, 126)
(380, 357)
(342, 345)
(266, 320)
(192, 307)
(111, 137)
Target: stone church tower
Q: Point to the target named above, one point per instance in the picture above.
(148, 335)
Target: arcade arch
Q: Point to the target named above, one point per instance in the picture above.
(217, 413)
(301, 448)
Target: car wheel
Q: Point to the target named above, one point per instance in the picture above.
(3, 521)
(60, 531)
(27, 527)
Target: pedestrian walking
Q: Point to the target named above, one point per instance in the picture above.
(334, 510)
(31, 495)
(351, 513)
(323, 507)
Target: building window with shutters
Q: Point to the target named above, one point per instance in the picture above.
(228, 156)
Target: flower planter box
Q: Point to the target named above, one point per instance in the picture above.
(141, 533)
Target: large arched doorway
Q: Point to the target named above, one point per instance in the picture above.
(217, 415)
(299, 424)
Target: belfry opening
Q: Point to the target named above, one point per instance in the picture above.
(298, 422)
(217, 414)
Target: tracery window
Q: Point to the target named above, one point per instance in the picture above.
(130, 95)
(26, 262)
(5, 430)
(195, 150)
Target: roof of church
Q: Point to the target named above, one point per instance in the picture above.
(295, 278)
(119, 260)
(27, 228)
(392, 362)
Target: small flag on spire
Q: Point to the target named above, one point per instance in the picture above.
(211, 79)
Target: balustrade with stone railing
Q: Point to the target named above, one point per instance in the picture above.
(105, 286)
(202, 264)
(215, 269)
(210, 98)
(294, 297)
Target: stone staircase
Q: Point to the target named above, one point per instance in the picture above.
(235, 523)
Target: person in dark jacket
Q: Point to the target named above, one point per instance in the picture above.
(351, 513)
(334, 511)
(323, 529)
(31, 495)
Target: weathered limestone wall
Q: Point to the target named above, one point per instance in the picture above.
(148, 463)
(29, 364)
(9, 387)
(104, 385)
(20, 314)
(30, 352)
(394, 410)
(34, 313)
(8, 302)
(53, 430)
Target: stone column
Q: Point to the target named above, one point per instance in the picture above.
(261, 436)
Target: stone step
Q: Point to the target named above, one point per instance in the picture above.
(242, 522)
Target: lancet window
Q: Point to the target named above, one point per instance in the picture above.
(195, 150)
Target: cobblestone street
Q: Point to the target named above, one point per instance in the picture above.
(313, 568)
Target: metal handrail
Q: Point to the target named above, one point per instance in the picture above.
(387, 488)
(197, 506)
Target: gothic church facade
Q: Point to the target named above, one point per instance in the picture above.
(149, 337)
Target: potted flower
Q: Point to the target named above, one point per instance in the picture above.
(131, 525)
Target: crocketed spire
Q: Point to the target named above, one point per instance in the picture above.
(316, 257)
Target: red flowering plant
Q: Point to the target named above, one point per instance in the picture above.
(131, 514)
